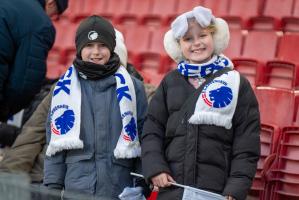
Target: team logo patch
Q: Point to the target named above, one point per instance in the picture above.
(62, 119)
(216, 94)
(130, 128)
(92, 35)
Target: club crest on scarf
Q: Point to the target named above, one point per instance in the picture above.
(62, 119)
(130, 129)
(216, 94)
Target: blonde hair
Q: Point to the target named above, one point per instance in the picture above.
(211, 28)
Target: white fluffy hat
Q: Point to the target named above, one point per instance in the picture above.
(179, 27)
(120, 48)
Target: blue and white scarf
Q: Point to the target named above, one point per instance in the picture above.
(65, 116)
(217, 102)
(202, 70)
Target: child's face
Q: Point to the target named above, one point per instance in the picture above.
(197, 44)
(95, 52)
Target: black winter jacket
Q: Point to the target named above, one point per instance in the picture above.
(26, 36)
(203, 156)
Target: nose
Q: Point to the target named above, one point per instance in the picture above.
(197, 41)
(95, 50)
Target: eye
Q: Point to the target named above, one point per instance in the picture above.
(187, 39)
(203, 35)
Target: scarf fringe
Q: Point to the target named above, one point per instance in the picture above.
(211, 119)
(122, 151)
(64, 144)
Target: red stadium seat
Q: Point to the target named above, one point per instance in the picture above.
(187, 5)
(296, 110)
(285, 175)
(219, 8)
(154, 61)
(235, 46)
(137, 40)
(291, 23)
(276, 105)
(251, 69)
(160, 13)
(281, 74)
(70, 12)
(251, 63)
(288, 48)
(85, 8)
(115, 9)
(154, 58)
(135, 12)
(273, 11)
(240, 11)
(260, 45)
(270, 136)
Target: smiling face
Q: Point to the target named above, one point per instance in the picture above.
(197, 44)
(95, 52)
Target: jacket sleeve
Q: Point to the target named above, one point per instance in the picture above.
(141, 115)
(22, 155)
(141, 106)
(152, 142)
(54, 166)
(25, 71)
(7, 51)
(246, 143)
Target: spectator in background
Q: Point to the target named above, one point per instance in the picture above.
(203, 123)
(10, 130)
(26, 36)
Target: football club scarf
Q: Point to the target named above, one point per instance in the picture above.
(65, 116)
(218, 100)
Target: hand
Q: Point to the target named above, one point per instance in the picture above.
(162, 180)
(229, 197)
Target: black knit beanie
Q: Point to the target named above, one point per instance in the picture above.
(62, 5)
(95, 29)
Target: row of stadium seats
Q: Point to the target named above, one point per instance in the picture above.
(241, 14)
(277, 177)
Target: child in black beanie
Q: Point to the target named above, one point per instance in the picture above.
(96, 117)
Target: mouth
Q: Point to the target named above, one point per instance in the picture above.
(95, 60)
(198, 50)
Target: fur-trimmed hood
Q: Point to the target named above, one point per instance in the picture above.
(120, 48)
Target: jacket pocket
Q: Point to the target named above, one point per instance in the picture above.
(80, 172)
(77, 158)
(120, 174)
(129, 163)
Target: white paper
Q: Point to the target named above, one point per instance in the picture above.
(197, 194)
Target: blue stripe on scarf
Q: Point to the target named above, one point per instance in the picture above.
(202, 70)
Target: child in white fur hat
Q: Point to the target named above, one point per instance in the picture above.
(203, 123)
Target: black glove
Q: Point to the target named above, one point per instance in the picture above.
(8, 134)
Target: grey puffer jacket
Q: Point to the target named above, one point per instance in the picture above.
(94, 170)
